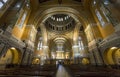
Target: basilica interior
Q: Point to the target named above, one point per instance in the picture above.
(59, 38)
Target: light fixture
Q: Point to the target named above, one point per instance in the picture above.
(13, 48)
(114, 48)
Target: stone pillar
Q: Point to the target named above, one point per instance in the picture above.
(25, 58)
(93, 45)
(92, 58)
(45, 55)
(42, 59)
(8, 31)
(3, 49)
(45, 51)
(75, 53)
(98, 56)
(29, 59)
(24, 54)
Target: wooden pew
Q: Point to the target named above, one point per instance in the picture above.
(92, 71)
(44, 71)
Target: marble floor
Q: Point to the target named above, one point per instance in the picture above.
(62, 72)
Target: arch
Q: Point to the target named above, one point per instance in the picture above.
(44, 34)
(61, 36)
(12, 56)
(116, 56)
(17, 55)
(66, 39)
(76, 33)
(41, 16)
(109, 56)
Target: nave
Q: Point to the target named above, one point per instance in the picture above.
(63, 72)
(81, 36)
(60, 70)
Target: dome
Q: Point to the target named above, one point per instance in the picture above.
(60, 23)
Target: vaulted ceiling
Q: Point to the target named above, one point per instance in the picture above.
(59, 21)
(59, 1)
(36, 3)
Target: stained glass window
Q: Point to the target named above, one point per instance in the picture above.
(1, 4)
(5, 1)
(40, 44)
(80, 43)
(100, 18)
(22, 19)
